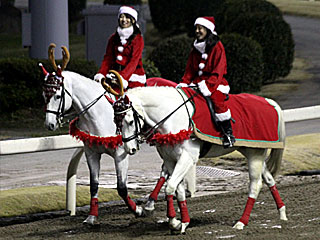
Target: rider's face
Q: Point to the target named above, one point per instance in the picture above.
(201, 32)
(125, 21)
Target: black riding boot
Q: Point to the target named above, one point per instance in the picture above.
(228, 138)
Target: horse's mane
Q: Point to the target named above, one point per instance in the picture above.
(163, 92)
(76, 77)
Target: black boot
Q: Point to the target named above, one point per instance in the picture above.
(228, 138)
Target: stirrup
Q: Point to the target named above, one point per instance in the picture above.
(228, 141)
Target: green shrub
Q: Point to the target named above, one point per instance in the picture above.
(233, 9)
(244, 63)
(21, 81)
(170, 57)
(122, 2)
(275, 37)
(150, 69)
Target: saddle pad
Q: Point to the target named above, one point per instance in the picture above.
(256, 121)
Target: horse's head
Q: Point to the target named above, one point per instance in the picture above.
(129, 122)
(57, 98)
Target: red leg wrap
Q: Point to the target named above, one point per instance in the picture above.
(171, 213)
(184, 211)
(94, 207)
(246, 214)
(131, 204)
(155, 193)
(276, 196)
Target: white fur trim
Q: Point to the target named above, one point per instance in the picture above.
(192, 85)
(223, 116)
(200, 73)
(201, 65)
(128, 10)
(120, 49)
(204, 56)
(206, 23)
(119, 58)
(181, 85)
(223, 88)
(98, 77)
(138, 78)
(204, 89)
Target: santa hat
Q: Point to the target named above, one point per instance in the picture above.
(128, 10)
(207, 22)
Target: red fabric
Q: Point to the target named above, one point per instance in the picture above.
(94, 206)
(157, 81)
(171, 213)
(155, 192)
(276, 196)
(214, 70)
(184, 211)
(131, 57)
(108, 142)
(247, 211)
(170, 139)
(255, 118)
(131, 204)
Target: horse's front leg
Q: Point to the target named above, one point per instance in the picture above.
(121, 159)
(179, 170)
(154, 195)
(93, 161)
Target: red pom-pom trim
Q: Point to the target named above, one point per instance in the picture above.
(108, 142)
(170, 139)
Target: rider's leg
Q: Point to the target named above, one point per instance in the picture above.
(223, 117)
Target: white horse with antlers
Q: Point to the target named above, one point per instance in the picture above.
(158, 107)
(94, 125)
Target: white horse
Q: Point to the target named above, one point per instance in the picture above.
(149, 106)
(66, 89)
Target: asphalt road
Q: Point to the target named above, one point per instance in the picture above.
(51, 167)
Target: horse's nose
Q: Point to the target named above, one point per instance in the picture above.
(133, 151)
(51, 127)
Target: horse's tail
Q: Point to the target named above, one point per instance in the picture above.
(274, 159)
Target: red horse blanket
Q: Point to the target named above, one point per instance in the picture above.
(256, 121)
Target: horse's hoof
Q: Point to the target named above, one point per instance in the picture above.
(282, 212)
(91, 220)
(149, 205)
(239, 225)
(140, 212)
(184, 227)
(175, 225)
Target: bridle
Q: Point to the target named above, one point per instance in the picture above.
(123, 105)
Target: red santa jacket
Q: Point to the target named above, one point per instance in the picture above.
(211, 67)
(126, 59)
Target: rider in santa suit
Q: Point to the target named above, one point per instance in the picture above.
(124, 52)
(206, 68)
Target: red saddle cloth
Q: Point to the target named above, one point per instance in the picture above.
(157, 81)
(256, 121)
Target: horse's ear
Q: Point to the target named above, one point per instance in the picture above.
(126, 99)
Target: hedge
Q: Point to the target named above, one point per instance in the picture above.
(275, 37)
(170, 57)
(244, 63)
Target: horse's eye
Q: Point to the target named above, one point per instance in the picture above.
(57, 96)
(131, 123)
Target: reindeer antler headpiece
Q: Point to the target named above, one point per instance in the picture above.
(65, 57)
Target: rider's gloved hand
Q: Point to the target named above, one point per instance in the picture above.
(98, 77)
(112, 78)
(181, 85)
(204, 89)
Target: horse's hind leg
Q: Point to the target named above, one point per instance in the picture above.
(154, 195)
(269, 180)
(93, 161)
(255, 163)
